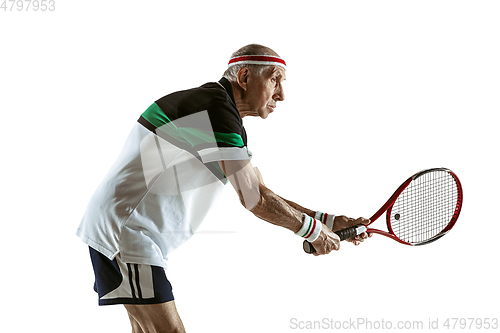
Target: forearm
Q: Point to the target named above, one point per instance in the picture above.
(278, 211)
(298, 207)
(261, 201)
(290, 203)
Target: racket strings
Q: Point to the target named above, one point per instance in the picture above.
(425, 207)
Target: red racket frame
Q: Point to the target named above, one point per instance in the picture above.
(387, 207)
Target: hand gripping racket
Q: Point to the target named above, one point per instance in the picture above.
(423, 209)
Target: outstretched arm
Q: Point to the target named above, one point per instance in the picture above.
(268, 206)
(340, 222)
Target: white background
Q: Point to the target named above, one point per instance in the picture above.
(375, 91)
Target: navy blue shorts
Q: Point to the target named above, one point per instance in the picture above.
(123, 283)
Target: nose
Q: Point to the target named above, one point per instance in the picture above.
(279, 94)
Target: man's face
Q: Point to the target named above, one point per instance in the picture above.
(263, 92)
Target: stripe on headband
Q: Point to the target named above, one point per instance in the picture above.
(257, 60)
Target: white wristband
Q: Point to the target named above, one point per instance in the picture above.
(311, 228)
(325, 219)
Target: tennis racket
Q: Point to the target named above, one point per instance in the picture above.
(423, 209)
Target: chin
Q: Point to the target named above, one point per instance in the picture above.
(264, 115)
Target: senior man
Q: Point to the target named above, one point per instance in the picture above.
(183, 149)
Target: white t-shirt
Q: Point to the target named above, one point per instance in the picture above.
(166, 178)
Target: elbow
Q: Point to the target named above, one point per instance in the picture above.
(253, 199)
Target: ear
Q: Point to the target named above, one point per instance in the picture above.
(242, 76)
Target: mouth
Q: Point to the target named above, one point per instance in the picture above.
(271, 107)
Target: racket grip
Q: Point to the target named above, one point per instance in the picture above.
(350, 232)
(343, 235)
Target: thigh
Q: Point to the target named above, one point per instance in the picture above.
(161, 318)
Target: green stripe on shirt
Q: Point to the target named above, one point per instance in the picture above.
(194, 136)
(155, 116)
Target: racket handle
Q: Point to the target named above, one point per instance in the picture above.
(350, 232)
(343, 234)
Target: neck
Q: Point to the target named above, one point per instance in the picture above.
(239, 99)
